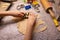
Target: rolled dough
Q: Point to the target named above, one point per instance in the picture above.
(23, 24)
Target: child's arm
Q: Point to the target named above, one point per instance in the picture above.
(11, 13)
(30, 22)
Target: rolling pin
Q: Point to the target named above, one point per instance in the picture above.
(49, 10)
(11, 13)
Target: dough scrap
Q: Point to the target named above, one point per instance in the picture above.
(39, 22)
(58, 28)
(41, 29)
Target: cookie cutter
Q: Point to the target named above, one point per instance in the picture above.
(20, 6)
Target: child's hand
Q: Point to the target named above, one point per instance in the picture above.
(31, 18)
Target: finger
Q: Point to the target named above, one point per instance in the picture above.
(21, 14)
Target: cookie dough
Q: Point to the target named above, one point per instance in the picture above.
(22, 25)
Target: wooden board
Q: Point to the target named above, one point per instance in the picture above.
(4, 6)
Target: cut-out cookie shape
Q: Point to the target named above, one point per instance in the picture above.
(41, 29)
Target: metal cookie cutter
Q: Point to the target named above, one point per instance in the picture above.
(37, 9)
(26, 16)
(20, 6)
